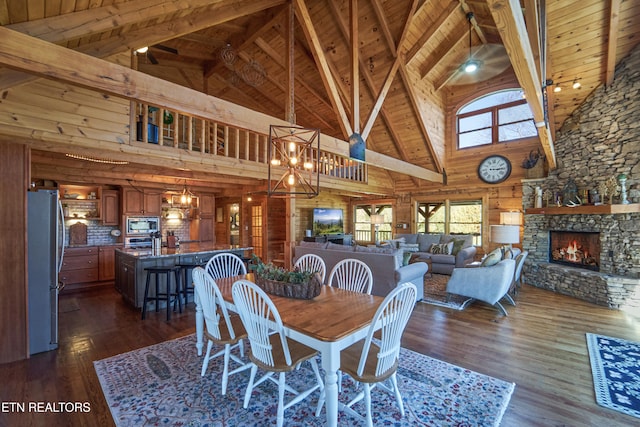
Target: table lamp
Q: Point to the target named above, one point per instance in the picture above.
(505, 234)
(376, 220)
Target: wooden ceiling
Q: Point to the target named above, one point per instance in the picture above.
(408, 55)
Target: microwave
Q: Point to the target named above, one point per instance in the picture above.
(137, 225)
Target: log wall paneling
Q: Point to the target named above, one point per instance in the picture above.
(14, 167)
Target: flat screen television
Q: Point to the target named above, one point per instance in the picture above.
(327, 221)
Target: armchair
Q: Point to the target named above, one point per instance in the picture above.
(488, 284)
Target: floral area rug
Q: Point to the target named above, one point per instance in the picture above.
(161, 385)
(615, 365)
(435, 293)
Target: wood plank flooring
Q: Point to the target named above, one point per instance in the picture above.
(540, 346)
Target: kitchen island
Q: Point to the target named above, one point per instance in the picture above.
(130, 264)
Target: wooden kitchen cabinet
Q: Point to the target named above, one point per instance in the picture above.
(110, 207)
(207, 204)
(106, 263)
(79, 268)
(141, 202)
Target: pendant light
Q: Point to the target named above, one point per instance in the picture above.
(471, 65)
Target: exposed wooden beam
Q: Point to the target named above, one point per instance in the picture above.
(35, 56)
(355, 66)
(474, 22)
(413, 96)
(130, 40)
(386, 31)
(429, 32)
(612, 43)
(533, 30)
(323, 66)
(92, 21)
(289, 24)
(373, 114)
(510, 24)
(458, 35)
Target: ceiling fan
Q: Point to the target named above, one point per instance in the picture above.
(491, 59)
(149, 55)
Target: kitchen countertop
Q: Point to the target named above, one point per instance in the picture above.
(183, 249)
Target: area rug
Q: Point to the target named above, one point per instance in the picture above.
(161, 385)
(615, 364)
(435, 293)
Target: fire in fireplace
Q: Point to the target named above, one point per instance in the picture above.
(575, 248)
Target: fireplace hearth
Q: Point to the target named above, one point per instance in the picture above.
(575, 248)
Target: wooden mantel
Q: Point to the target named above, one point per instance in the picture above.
(585, 210)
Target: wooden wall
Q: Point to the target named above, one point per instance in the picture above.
(14, 179)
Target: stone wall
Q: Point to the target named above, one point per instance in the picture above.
(600, 140)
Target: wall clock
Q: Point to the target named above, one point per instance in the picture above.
(494, 169)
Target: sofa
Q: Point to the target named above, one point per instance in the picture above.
(460, 249)
(386, 264)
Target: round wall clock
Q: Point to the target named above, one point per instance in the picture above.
(494, 169)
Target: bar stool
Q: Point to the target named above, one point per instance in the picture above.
(160, 296)
(184, 270)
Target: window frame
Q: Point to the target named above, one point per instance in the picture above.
(495, 120)
(370, 209)
(478, 239)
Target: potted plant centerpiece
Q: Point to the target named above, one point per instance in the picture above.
(281, 282)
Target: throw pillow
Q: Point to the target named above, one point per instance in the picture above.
(507, 253)
(491, 259)
(457, 245)
(409, 247)
(441, 248)
(497, 251)
(406, 256)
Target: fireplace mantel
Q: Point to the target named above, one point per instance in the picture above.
(586, 210)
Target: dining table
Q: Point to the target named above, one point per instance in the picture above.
(328, 323)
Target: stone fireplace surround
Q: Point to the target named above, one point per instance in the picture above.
(600, 140)
(616, 285)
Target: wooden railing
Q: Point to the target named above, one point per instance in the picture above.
(175, 129)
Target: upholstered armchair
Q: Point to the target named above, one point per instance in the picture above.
(488, 284)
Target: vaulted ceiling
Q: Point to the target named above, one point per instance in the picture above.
(408, 55)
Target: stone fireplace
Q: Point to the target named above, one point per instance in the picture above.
(613, 247)
(600, 141)
(575, 248)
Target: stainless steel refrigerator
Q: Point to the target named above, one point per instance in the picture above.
(45, 225)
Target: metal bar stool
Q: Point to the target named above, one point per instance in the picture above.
(184, 271)
(160, 296)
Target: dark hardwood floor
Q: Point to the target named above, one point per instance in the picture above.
(540, 346)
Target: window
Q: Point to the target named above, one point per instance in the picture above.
(497, 117)
(451, 217)
(365, 230)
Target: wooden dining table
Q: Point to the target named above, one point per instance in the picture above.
(330, 322)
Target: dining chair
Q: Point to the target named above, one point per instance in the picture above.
(313, 263)
(222, 328)
(225, 264)
(270, 349)
(375, 363)
(351, 274)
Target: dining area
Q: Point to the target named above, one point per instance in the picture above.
(342, 330)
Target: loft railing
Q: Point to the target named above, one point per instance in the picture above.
(170, 128)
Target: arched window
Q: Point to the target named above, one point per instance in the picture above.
(498, 117)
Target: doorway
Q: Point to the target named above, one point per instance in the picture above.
(234, 224)
(257, 230)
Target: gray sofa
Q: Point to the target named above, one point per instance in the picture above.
(421, 243)
(385, 264)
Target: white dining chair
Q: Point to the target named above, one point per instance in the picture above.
(271, 350)
(222, 328)
(353, 275)
(225, 264)
(313, 263)
(373, 363)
